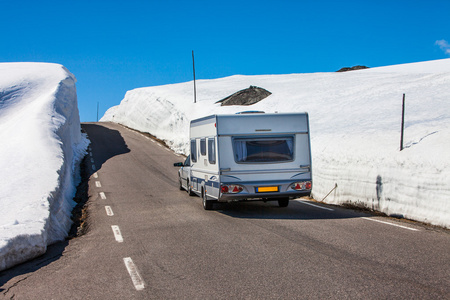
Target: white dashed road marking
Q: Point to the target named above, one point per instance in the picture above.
(98, 184)
(392, 224)
(102, 195)
(314, 205)
(95, 175)
(93, 167)
(109, 211)
(134, 274)
(117, 234)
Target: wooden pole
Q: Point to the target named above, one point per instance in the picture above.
(403, 123)
(193, 67)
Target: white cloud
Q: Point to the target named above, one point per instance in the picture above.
(444, 45)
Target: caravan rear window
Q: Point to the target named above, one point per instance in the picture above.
(254, 150)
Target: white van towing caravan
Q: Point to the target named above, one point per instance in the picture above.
(253, 156)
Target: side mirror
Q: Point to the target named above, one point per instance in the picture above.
(178, 164)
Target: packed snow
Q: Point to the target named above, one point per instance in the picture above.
(42, 146)
(355, 121)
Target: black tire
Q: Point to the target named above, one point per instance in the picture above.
(207, 204)
(284, 202)
(189, 191)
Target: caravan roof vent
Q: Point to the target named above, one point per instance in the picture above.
(250, 112)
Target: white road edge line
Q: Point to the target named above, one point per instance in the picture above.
(117, 234)
(98, 184)
(102, 195)
(310, 204)
(138, 282)
(109, 211)
(392, 224)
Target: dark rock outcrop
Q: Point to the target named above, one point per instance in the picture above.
(352, 68)
(248, 96)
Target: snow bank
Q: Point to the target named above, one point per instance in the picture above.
(41, 148)
(355, 120)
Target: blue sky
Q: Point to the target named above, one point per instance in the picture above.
(115, 46)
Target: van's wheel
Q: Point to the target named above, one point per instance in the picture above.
(207, 204)
(190, 192)
(284, 202)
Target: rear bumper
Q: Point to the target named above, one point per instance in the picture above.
(255, 197)
(250, 191)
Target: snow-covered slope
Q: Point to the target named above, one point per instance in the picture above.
(41, 148)
(355, 120)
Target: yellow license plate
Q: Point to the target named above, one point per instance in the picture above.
(265, 189)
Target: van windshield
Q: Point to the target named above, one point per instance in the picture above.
(251, 150)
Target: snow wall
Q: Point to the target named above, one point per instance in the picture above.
(42, 146)
(355, 121)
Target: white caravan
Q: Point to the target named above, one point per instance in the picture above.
(253, 156)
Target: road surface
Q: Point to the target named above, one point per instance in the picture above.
(148, 240)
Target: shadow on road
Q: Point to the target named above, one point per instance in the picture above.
(54, 252)
(105, 142)
(295, 211)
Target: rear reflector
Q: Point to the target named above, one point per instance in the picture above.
(301, 186)
(231, 189)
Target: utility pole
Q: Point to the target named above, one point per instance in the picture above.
(403, 123)
(193, 67)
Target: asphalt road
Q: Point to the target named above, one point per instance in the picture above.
(148, 240)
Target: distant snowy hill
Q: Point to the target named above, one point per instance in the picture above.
(355, 120)
(41, 148)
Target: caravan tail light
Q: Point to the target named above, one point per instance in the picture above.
(301, 186)
(231, 189)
